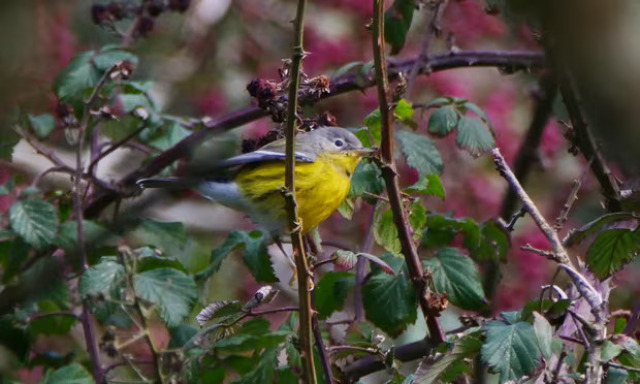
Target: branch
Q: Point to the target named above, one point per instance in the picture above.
(78, 212)
(370, 364)
(433, 29)
(391, 177)
(305, 332)
(522, 60)
(586, 290)
(584, 141)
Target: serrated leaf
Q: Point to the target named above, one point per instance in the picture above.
(421, 153)
(463, 348)
(331, 292)
(510, 350)
(478, 111)
(180, 335)
(70, 374)
(474, 136)
(173, 291)
(544, 334)
(68, 234)
(428, 185)
(264, 370)
(611, 250)
(367, 177)
(253, 335)
(36, 221)
(397, 21)
(390, 301)
(101, 277)
(385, 232)
(610, 350)
(456, 274)
(42, 125)
(168, 135)
(575, 236)
(443, 121)
(169, 236)
(77, 76)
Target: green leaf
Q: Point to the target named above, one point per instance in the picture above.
(617, 376)
(68, 235)
(576, 236)
(171, 290)
(464, 348)
(373, 121)
(441, 231)
(181, 334)
(403, 110)
(70, 374)
(428, 185)
(495, 242)
(611, 250)
(385, 232)
(610, 350)
(366, 178)
(254, 335)
(478, 111)
(397, 21)
(346, 208)
(170, 236)
(417, 218)
(544, 334)
(42, 125)
(474, 136)
(421, 153)
(264, 370)
(255, 255)
(77, 76)
(51, 325)
(108, 57)
(510, 350)
(100, 278)
(15, 338)
(443, 121)
(331, 292)
(456, 274)
(167, 136)
(389, 300)
(35, 221)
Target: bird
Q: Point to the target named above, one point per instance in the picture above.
(326, 159)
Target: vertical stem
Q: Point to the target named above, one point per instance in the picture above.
(391, 178)
(78, 209)
(302, 266)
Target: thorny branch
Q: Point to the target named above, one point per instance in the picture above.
(513, 60)
(305, 331)
(391, 178)
(583, 286)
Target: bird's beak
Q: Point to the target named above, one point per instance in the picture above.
(364, 151)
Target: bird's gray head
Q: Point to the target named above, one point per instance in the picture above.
(332, 139)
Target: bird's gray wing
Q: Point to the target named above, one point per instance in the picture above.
(262, 155)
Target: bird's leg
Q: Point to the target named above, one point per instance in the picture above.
(289, 257)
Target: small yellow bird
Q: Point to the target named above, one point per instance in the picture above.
(325, 160)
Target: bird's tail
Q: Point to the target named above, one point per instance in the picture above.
(166, 182)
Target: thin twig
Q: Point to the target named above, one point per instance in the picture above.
(571, 199)
(585, 142)
(433, 29)
(305, 332)
(620, 366)
(524, 60)
(78, 210)
(391, 178)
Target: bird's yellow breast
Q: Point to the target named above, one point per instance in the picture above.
(320, 187)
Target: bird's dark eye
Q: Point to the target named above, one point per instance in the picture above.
(339, 143)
